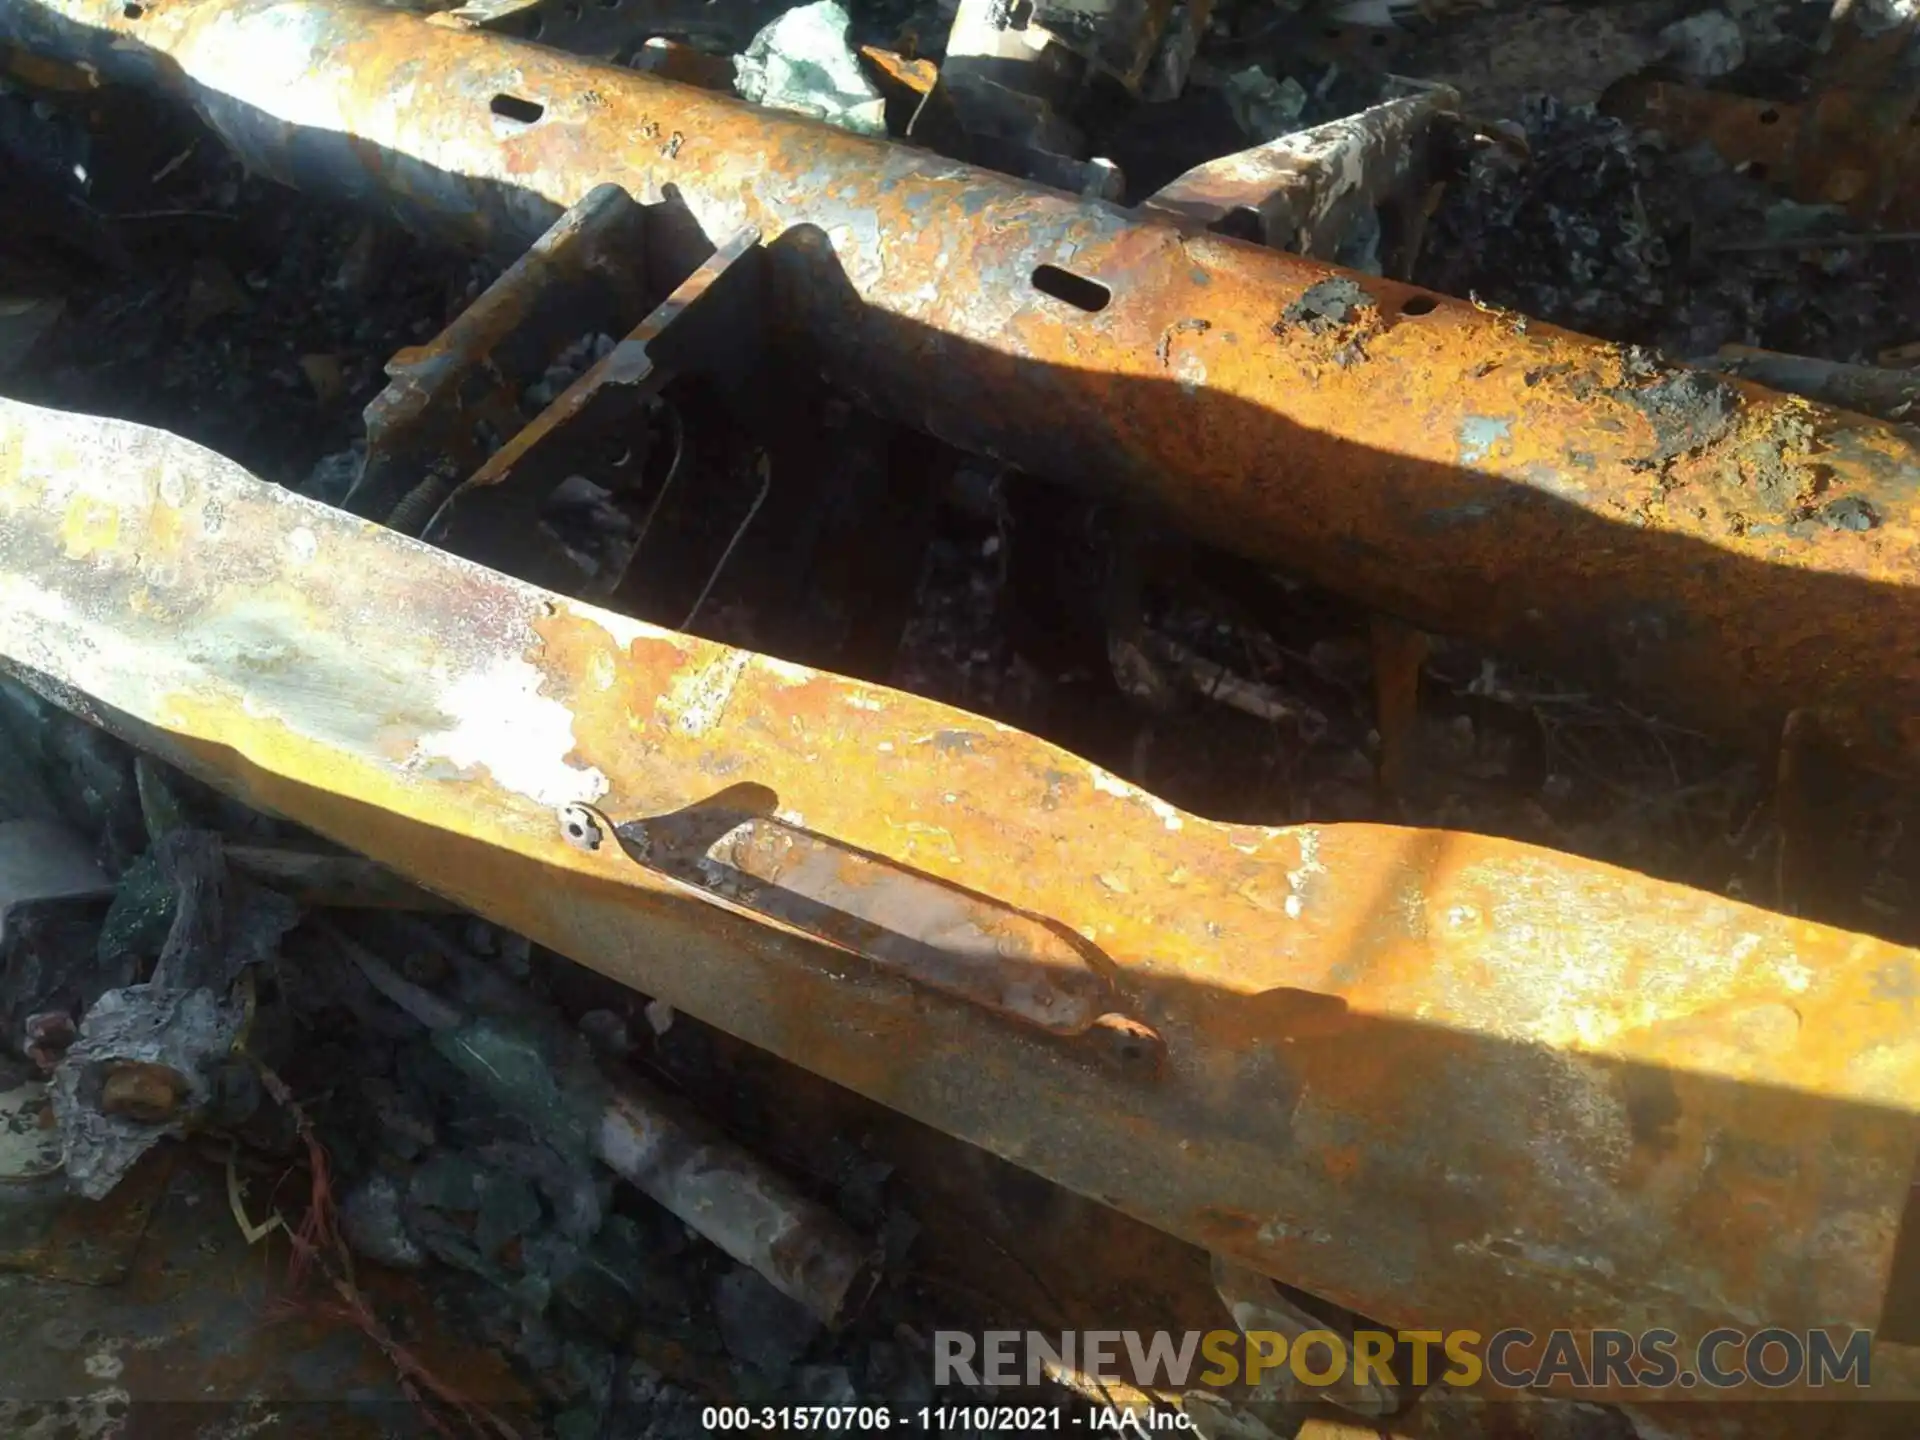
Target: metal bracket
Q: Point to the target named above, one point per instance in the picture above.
(452, 398)
(733, 851)
(710, 324)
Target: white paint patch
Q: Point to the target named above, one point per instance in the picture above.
(302, 545)
(698, 694)
(602, 671)
(172, 487)
(1294, 907)
(1310, 866)
(1107, 783)
(1795, 976)
(860, 700)
(523, 738)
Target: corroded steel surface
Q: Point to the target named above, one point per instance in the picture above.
(1306, 190)
(1726, 554)
(1829, 152)
(1438, 1078)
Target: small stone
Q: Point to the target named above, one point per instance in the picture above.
(372, 1222)
(1266, 108)
(1705, 46)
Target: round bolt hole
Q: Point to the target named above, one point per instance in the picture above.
(1420, 305)
(1769, 117)
(133, 12)
(579, 827)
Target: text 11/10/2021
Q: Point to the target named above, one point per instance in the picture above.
(955, 1420)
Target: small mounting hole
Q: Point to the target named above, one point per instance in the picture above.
(1769, 117)
(133, 12)
(1078, 291)
(517, 109)
(1420, 305)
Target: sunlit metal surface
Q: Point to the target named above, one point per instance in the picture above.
(1439, 1078)
(1726, 554)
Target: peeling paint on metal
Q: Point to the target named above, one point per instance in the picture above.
(504, 725)
(1479, 434)
(697, 697)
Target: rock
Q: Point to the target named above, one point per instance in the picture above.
(1705, 46)
(371, 1219)
(1266, 108)
(803, 63)
(759, 1326)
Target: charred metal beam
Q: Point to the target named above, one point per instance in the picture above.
(1609, 1100)
(1693, 541)
(1307, 192)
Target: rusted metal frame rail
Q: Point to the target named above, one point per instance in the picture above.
(1439, 1078)
(1725, 554)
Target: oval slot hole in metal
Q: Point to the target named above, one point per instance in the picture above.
(516, 108)
(1076, 290)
